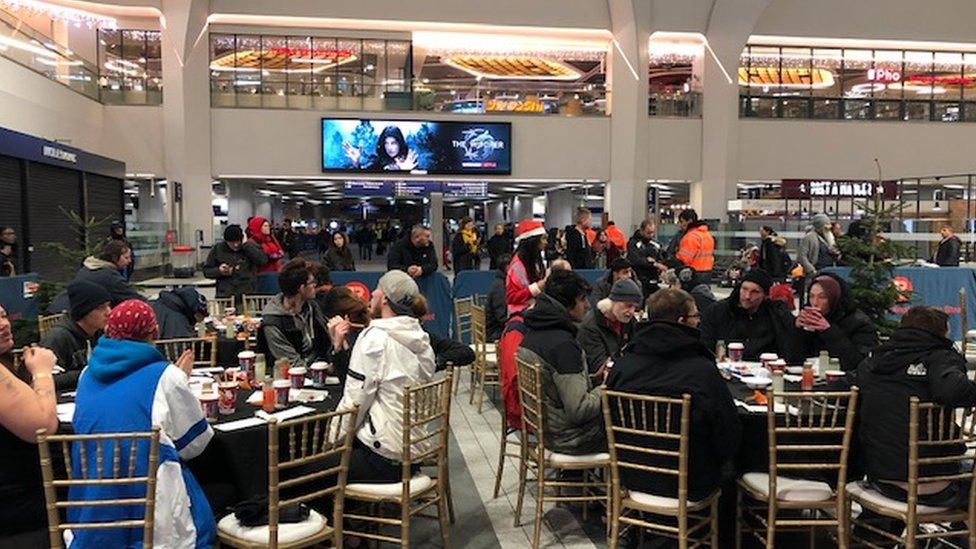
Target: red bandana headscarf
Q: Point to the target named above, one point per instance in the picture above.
(132, 319)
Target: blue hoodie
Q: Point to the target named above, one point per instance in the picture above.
(115, 358)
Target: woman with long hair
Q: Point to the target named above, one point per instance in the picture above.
(526, 274)
(259, 230)
(348, 315)
(464, 247)
(339, 256)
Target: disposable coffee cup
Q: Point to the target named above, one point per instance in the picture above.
(245, 360)
(281, 388)
(767, 358)
(227, 397)
(209, 404)
(735, 351)
(297, 376)
(319, 372)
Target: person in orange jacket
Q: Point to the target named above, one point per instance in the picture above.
(696, 250)
(616, 235)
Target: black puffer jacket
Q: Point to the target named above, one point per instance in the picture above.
(913, 362)
(244, 262)
(403, 254)
(769, 330)
(667, 359)
(851, 335)
(70, 345)
(176, 312)
(642, 253)
(496, 309)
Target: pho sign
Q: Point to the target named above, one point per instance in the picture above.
(837, 188)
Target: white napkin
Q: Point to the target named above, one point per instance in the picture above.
(66, 412)
(285, 414)
(239, 424)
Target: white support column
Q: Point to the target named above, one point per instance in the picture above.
(436, 220)
(625, 198)
(240, 202)
(560, 208)
(186, 114)
(521, 208)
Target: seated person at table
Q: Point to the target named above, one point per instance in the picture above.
(749, 317)
(178, 312)
(496, 308)
(667, 358)
(620, 269)
(78, 331)
(103, 269)
(919, 360)
(233, 264)
(129, 386)
(414, 254)
(392, 353)
(832, 323)
(572, 404)
(606, 329)
(28, 404)
(292, 325)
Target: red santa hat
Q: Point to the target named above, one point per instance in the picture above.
(527, 228)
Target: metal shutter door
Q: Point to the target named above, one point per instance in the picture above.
(12, 202)
(49, 190)
(104, 201)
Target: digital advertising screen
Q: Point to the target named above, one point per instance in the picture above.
(416, 147)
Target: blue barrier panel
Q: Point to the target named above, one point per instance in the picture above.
(266, 284)
(434, 286)
(469, 283)
(17, 295)
(934, 287)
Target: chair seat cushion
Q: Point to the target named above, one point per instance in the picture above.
(418, 484)
(789, 489)
(643, 498)
(287, 532)
(599, 459)
(862, 491)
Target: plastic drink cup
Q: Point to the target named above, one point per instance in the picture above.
(778, 365)
(767, 358)
(319, 372)
(267, 396)
(735, 351)
(208, 402)
(227, 393)
(281, 388)
(245, 360)
(297, 377)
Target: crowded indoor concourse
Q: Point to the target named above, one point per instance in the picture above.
(590, 274)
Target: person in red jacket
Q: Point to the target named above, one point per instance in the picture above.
(259, 230)
(526, 273)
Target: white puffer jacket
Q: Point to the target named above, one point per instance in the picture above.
(389, 355)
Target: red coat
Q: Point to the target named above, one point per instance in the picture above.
(507, 349)
(268, 243)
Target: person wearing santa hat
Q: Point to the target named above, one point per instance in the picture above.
(128, 387)
(526, 273)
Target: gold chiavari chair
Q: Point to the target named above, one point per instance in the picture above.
(932, 430)
(204, 350)
(486, 372)
(254, 304)
(115, 464)
(509, 436)
(650, 435)
(217, 305)
(44, 323)
(541, 461)
(425, 432)
(316, 452)
(810, 434)
(462, 327)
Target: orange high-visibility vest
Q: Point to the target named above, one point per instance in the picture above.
(697, 249)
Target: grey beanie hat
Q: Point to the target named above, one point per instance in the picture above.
(626, 290)
(820, 221)
(400, 291)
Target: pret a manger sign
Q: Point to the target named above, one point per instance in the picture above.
(836, 188)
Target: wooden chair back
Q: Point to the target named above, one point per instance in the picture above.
(479, 334)
(426, 409)
(932, 429)
(644, 429)
(254, 304)
(314, 443)
(44, 323)
(204, 349)
(462, 317)
(217, 305)
(531, 401)
(810, 424)
(116, 456)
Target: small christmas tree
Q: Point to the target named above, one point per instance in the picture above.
(872, 260)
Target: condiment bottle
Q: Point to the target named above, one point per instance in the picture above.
(806, 381)
(268, 396)
(720, 351)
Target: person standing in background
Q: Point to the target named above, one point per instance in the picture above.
(696, 250)
(815, 250)
(578, 250)
(259, 231)
(464, 246)
(605, 252)
(117, 232)
(947, 255)
(339, 257)
(414, 254)
(646, 257)
(8, 251)
(498, 245)
(233, 264)
(773, 257)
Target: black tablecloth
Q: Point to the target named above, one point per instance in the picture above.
(227, 350)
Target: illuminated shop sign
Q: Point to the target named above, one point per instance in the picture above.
(836, 188)
(884, 75)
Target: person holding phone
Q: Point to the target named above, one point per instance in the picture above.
(832, 323)
(233, 264)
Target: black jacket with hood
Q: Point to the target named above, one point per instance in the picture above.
(496, 308)
(851, 335)
(176, 312)
(947, 254)
(914, 362)
(639, 251)
(773, 257)
(573, 416)
(668, 359)
(105, 274)
(70, 344)
(769, 330)
(244, 263)
(403, 254)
